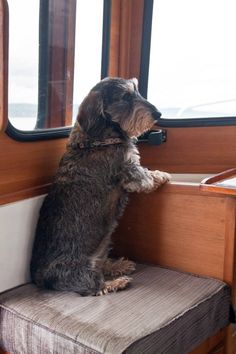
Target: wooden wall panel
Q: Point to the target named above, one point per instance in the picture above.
(209, 346)
(27, 166)
(181, 230)
(3, 64)
(193, 150)
(230, 232)
(3, 352)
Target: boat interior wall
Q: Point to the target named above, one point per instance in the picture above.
(18, 221)
(177, 226)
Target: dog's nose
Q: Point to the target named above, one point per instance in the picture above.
(154, 111)
(156, 114)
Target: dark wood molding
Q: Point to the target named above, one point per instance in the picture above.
(126, 38)
(24, 194)
(4, 37)
(212, 184)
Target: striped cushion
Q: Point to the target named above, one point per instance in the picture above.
(163, 311)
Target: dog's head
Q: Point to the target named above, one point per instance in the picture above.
(117, 101)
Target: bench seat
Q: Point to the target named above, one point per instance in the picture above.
(163, 311)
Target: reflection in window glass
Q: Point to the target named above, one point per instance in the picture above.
(88, 48)
(192, 63)
(23, 63)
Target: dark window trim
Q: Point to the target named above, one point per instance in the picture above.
(63, 132)
(43, 74)
(144, 74)
(39, 134)
(196, 122)
(145, 47)
(106, 38)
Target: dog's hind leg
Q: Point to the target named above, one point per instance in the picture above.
(116, 268)
(70, 275)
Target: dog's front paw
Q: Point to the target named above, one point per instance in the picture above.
(160, 178)
(112, 286)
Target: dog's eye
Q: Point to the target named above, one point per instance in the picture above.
(127, 97)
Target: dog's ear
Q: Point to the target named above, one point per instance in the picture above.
(135, 82)
(91, 111)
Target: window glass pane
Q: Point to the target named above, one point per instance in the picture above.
(23, 63)
(88, 48)
(25, 112)
(193, 54)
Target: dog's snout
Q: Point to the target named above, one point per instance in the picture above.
(154, 111)
(156, 114)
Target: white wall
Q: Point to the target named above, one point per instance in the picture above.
(17, 226)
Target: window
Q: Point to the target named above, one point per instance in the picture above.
(23, 63)
(54, 60)
(88, 52)
(192, 72)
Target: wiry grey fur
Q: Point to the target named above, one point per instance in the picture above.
(90, 192)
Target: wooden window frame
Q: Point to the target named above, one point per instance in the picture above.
(121, 56)
(126, 38)
(56, 69)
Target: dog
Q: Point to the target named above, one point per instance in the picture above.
(99, 169)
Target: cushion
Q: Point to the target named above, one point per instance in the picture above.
(163, 311)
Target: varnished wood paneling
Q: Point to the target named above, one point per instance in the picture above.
(130, 38)
(234, 339)
(113, 69)
(61, 62)
(177, 230)
(181, 227)
(126, 38)
(24, 194)
(221, 177)
(136, 38)
(193, 150)
(212, 184)
(229, 258)
(3, 64)
(3, 352)
(210, 345)
(229, 341)
(27, 166)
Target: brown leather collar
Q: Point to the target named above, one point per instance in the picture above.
(91, 144)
